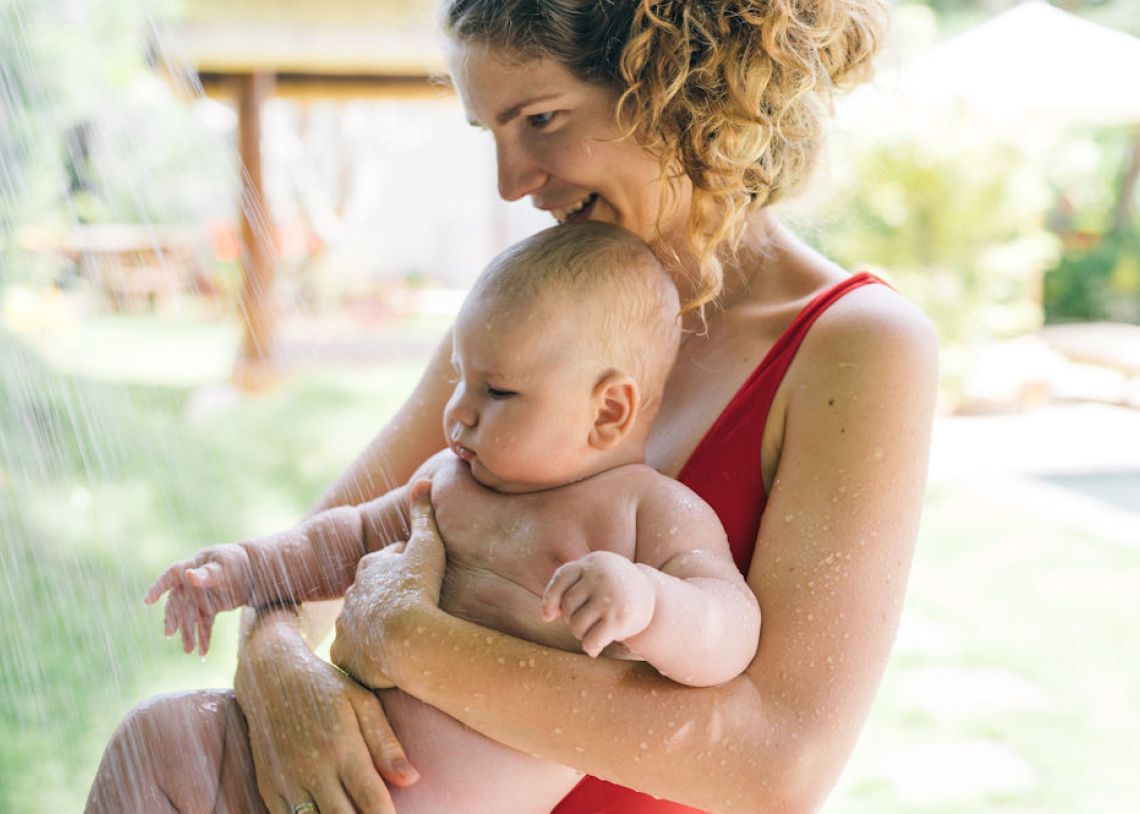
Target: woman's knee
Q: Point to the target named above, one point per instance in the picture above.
(166, 754)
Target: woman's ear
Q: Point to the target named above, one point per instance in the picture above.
(617, 404)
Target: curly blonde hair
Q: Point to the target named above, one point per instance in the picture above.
(731, 92)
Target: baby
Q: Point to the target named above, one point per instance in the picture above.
(555, 529)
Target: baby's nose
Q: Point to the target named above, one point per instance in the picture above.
(461, 412)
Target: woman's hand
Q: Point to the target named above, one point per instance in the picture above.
(392, 586)
(316, 734)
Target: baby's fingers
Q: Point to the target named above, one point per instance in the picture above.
(597, 638)
(166, 580)
(204, 576)
(205, 628)
(563, 579)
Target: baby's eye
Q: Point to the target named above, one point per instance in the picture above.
(499, 394)
(541, 120)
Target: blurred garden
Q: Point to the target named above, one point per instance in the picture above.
(129, 437)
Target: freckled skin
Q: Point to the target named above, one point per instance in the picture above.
(501, 587)
(702, 627)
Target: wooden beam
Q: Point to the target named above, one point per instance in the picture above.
(255, 368)
(304, 87)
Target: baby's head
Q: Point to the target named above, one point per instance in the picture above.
(561, 352)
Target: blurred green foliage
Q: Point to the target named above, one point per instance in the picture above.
(89, 133)
(102, 484)
(960, 233)
(1097, 217)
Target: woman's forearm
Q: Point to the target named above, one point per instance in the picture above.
(725, 748)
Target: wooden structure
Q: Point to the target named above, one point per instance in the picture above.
(250, 50)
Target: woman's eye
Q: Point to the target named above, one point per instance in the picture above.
(541, 120)
(496, 393)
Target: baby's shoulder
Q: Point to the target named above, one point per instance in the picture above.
(658, 493)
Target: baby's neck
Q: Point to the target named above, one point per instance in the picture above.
(622, 455)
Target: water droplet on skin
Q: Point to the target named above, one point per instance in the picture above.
(788, 518)
(643, 745)
(557, 730)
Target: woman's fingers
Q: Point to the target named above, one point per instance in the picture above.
(387, 752)
(425, 547)
(331, 798)
(366, 790)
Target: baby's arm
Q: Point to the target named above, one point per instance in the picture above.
(313, 561)
(682, 605)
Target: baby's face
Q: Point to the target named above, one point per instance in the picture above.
(522, 409)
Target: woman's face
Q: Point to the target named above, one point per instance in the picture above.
(557, 143)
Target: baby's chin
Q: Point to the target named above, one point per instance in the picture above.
(489, 480)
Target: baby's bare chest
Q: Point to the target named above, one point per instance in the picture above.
(503, 549)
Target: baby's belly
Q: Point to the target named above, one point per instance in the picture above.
(462, 772)
(496, 601)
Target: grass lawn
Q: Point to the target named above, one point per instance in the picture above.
(1015, 686)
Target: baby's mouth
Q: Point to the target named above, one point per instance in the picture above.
(578, 211)
(463, 453)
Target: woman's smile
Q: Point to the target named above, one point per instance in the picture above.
(558, 142)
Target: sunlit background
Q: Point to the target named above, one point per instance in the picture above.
(170, 378)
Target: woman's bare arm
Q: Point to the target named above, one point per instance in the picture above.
(278, 677)
(830, 571)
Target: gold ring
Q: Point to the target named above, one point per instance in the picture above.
(307, 807)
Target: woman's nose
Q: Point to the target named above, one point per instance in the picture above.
(519, 174)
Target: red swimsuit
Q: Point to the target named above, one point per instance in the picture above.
(725, 470)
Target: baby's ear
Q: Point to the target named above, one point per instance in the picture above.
(617, 403)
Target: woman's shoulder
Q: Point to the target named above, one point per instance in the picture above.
(869, 341)
(872, 319)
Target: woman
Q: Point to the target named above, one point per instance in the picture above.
(681, 122)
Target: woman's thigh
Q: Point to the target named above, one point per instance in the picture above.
(186, 752)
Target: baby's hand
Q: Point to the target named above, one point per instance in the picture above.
(603, 596)
(215, 579)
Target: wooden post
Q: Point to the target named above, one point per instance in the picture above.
(256, 368)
